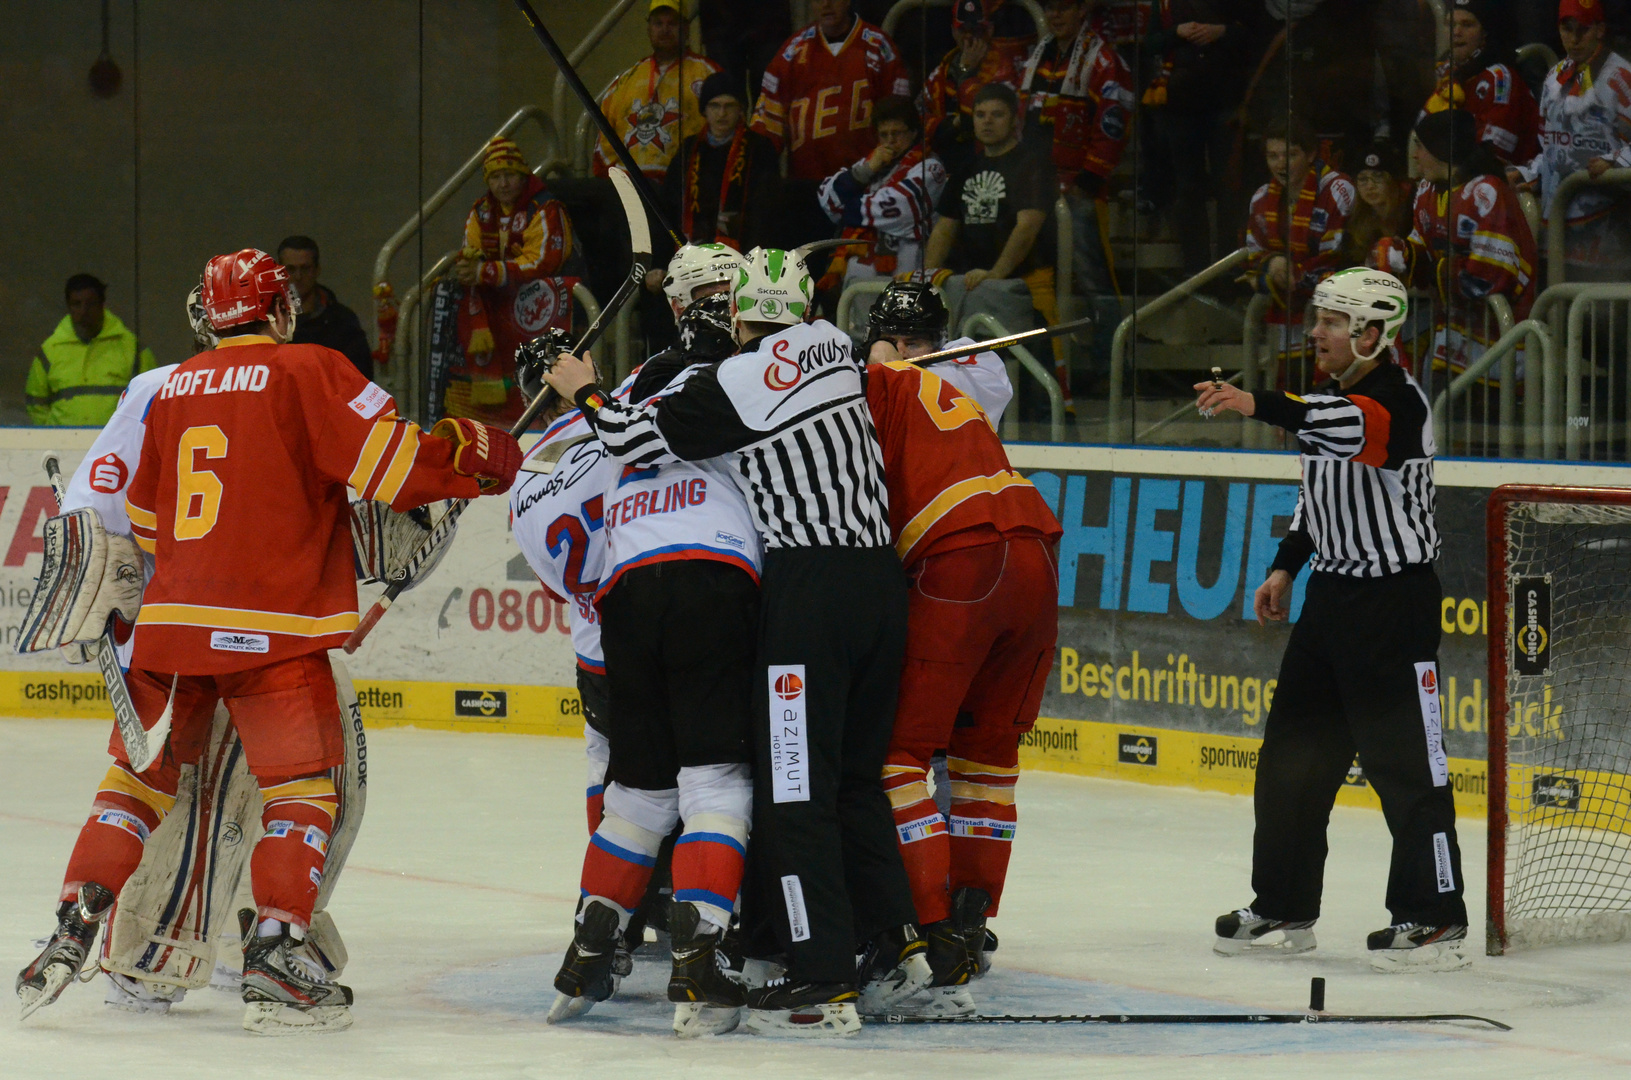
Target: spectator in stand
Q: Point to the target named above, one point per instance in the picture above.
(1489, 252)
(722, 184)
(656, 103)
(996, 214)
(1382, 208)
(1079, 98)
(1013, 31)
(1205, 46)
(518, 265)
(1295, 227)
(742, 35)
(86, 363)
(887, 197)
(323, 319)
(1585, 109)
(1477, 78)
(948, 97)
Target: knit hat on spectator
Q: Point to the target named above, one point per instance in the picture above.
(1381, 157)
(969, 15)
(502, 154)
(721, 84)
(1451, 135)
(1480, 10)
(1583, 11)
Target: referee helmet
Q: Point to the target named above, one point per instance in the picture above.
(1366, 296)
(772, 286)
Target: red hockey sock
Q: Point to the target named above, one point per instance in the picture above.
(127, 809)
(921, 832)
(983, 819)
(619, 862)
(287, 866)
(708, 864)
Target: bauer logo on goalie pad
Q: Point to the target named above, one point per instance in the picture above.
(789, 743)
(1553, 790)
(222, 641)
(487, 704)
(1135, 749)
(1532, 626)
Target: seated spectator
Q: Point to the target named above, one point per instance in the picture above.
(1477, 78)
(518, 266)
(997, 213)
(86, 363)
(1079, 99)
(323, 319)
(887, 197)
(1294, 228)
(948, 96)
(722, 185)
(1382, 208)
(1585, 108)
(1013, 30)
(655, 104)
(1489, 251)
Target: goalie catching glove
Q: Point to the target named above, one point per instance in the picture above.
(486, 453)
(385, 541)
(86, 575)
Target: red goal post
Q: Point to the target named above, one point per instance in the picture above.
(1559, 844)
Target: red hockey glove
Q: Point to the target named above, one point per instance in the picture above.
(488, 454)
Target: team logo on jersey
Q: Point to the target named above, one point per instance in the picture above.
(487, 704)
(1136, 749)
(108, 474)
(535, 306)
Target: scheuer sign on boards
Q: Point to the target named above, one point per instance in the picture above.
(1532, 626)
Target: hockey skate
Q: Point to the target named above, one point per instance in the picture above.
(133, 995)
(587, 974)
(949, 962)
(1245, 931)
(706, 1000)
(42, 982)
(814, 1010)
(285, 993)
(983, 951)
(893, 968)
(1412, 946)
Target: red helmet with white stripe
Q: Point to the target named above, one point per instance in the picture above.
(243, 287)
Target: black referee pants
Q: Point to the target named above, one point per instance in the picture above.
(828, 875)
(1360, 673)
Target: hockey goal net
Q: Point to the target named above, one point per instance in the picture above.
(1559, 565)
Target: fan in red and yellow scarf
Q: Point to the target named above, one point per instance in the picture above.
(518, 265)
(1287, 255)
(1474, 78)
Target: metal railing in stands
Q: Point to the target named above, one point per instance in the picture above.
(1593, 421)
(1038, 371)
(560, 100)
(1557, 238)
(1120, 391)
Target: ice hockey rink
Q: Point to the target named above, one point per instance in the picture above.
(457, 899)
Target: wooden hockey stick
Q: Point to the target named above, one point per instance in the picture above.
(993, 344)
(142, 746)
(640, 244)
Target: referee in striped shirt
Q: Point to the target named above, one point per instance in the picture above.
(1360, 672)
(832, 628)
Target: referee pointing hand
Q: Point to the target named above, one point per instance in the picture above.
(1361, 669)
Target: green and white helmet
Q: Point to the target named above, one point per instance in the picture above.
(1366, 296)
(696, 265)
(773, 287)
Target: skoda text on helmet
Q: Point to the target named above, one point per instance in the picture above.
(696, 265)
(909, 309)
(244, 287)
(1365, 296)
(772, 287)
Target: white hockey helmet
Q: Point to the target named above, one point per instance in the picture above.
(772, 286)
(696, 265)
(203, 333)
(1366, 296)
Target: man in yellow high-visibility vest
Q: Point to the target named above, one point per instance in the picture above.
(86, 363)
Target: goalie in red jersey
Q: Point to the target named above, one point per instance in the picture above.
(980, 549)
(240, 497)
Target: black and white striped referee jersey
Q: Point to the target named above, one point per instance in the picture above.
(792, 406)
(1365, 507)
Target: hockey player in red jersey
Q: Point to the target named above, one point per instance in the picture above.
(980, 549)
(241, 499)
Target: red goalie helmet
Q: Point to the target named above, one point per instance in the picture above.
(241, 288)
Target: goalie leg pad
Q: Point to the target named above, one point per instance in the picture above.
(623, 850)
(126, 811)
(86, 574)
(286, 868)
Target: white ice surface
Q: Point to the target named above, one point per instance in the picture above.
(457, 902)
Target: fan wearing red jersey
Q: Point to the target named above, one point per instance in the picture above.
(980, 549)
(240, 496)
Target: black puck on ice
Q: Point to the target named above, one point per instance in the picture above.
(1316, 994)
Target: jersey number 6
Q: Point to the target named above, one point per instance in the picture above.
(198, 491)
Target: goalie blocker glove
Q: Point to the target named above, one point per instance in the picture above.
(87, 574)
(486, 453)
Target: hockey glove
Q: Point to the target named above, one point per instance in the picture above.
(86, 575)
(490, 455)
(387, 542)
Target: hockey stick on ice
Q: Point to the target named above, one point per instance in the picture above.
(141, 745)
(640, 244)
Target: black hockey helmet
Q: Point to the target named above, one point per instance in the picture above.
(705, 327)
(533, 358)
(909, 308)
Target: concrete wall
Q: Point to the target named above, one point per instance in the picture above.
(241, 122)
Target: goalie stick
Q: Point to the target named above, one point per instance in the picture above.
(640, 244)
(141, 745)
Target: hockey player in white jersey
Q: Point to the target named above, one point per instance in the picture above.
(910, 319)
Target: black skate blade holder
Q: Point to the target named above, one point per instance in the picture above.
(1316, 1014)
